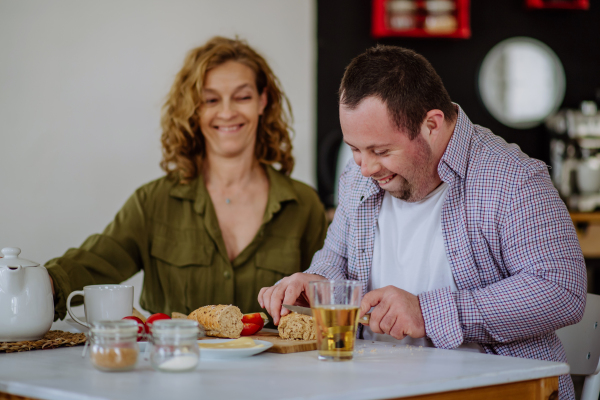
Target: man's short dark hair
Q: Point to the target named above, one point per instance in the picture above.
(404, 80)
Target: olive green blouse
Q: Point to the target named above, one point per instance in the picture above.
(171, 232)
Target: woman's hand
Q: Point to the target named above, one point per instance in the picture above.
(291, 290)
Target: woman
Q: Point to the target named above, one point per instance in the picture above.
(223, 222)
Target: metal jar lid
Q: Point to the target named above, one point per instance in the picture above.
(122, 328)
(175, 327)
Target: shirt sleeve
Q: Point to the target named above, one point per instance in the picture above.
(331, 261)
(546, 284)
(110, 257)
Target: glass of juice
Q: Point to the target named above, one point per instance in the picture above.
(335, 306)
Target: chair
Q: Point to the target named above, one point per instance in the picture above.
(582, 345)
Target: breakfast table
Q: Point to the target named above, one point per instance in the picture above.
(379, 370)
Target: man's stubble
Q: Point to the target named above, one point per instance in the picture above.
(417, 189)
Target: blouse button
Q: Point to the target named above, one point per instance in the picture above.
(227, 274)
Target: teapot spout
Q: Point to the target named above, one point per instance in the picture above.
(12, 279)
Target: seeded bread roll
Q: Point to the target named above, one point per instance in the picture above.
(178, 315)
(220, 321)
(297, 326)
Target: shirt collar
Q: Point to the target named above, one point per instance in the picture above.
(370, 188)
(455, 159)
(280, 190)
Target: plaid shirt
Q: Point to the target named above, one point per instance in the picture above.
(509, 240)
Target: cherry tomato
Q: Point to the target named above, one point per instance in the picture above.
(250, 329)
(153, 318)
(156, 317)
(141, 326)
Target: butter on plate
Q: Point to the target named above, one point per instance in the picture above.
(241, 343)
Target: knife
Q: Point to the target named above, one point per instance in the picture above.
(307, 311)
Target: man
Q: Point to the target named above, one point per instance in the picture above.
(459, 239)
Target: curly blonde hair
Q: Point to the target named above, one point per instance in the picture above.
(183, 146)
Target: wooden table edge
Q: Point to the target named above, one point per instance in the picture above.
(535, 389)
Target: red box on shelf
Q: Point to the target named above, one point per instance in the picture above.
(380, 26)
(564, 4)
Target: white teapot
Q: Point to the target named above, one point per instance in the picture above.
(26, 302)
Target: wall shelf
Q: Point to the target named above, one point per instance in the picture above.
(380, 24)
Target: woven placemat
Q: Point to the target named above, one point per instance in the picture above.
(51, 340)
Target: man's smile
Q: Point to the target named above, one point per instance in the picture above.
(385, 179)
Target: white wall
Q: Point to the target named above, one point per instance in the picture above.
(81, 86)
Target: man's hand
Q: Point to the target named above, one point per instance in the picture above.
(291, 290)
(396, 313)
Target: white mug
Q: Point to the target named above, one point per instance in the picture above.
(103, 303)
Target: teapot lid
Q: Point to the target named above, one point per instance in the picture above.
(11, 258)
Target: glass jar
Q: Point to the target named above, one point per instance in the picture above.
(114, 345)
(402, 14)
(440, 17)
(174, 345)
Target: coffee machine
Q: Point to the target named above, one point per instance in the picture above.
(575, 156)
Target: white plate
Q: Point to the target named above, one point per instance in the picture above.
(219, 354)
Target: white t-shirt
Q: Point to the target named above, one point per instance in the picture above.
(409, 253)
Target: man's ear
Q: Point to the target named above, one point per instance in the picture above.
(434, 120)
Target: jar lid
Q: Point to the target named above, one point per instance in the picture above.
(11, 258)
(175, 327)
(401, 5)
(114, 328)
(440, 6)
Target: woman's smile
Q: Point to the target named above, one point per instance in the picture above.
(229, 128)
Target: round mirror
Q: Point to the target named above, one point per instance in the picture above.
(521, 82)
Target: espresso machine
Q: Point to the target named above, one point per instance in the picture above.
(575, 156)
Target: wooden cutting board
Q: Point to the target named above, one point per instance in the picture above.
(283, 346)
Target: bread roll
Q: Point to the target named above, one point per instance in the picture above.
(220, 321)
(297, 326)
(178, 315)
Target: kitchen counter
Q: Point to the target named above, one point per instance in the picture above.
(379, 370)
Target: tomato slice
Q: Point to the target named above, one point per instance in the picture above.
(251, 329)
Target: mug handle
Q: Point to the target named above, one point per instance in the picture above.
(75, 293)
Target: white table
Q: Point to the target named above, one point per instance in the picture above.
(379, 370)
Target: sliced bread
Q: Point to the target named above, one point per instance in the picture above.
(296, 326)
(221, 321)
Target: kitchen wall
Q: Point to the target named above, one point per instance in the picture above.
(344, 32)
(81, 86)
